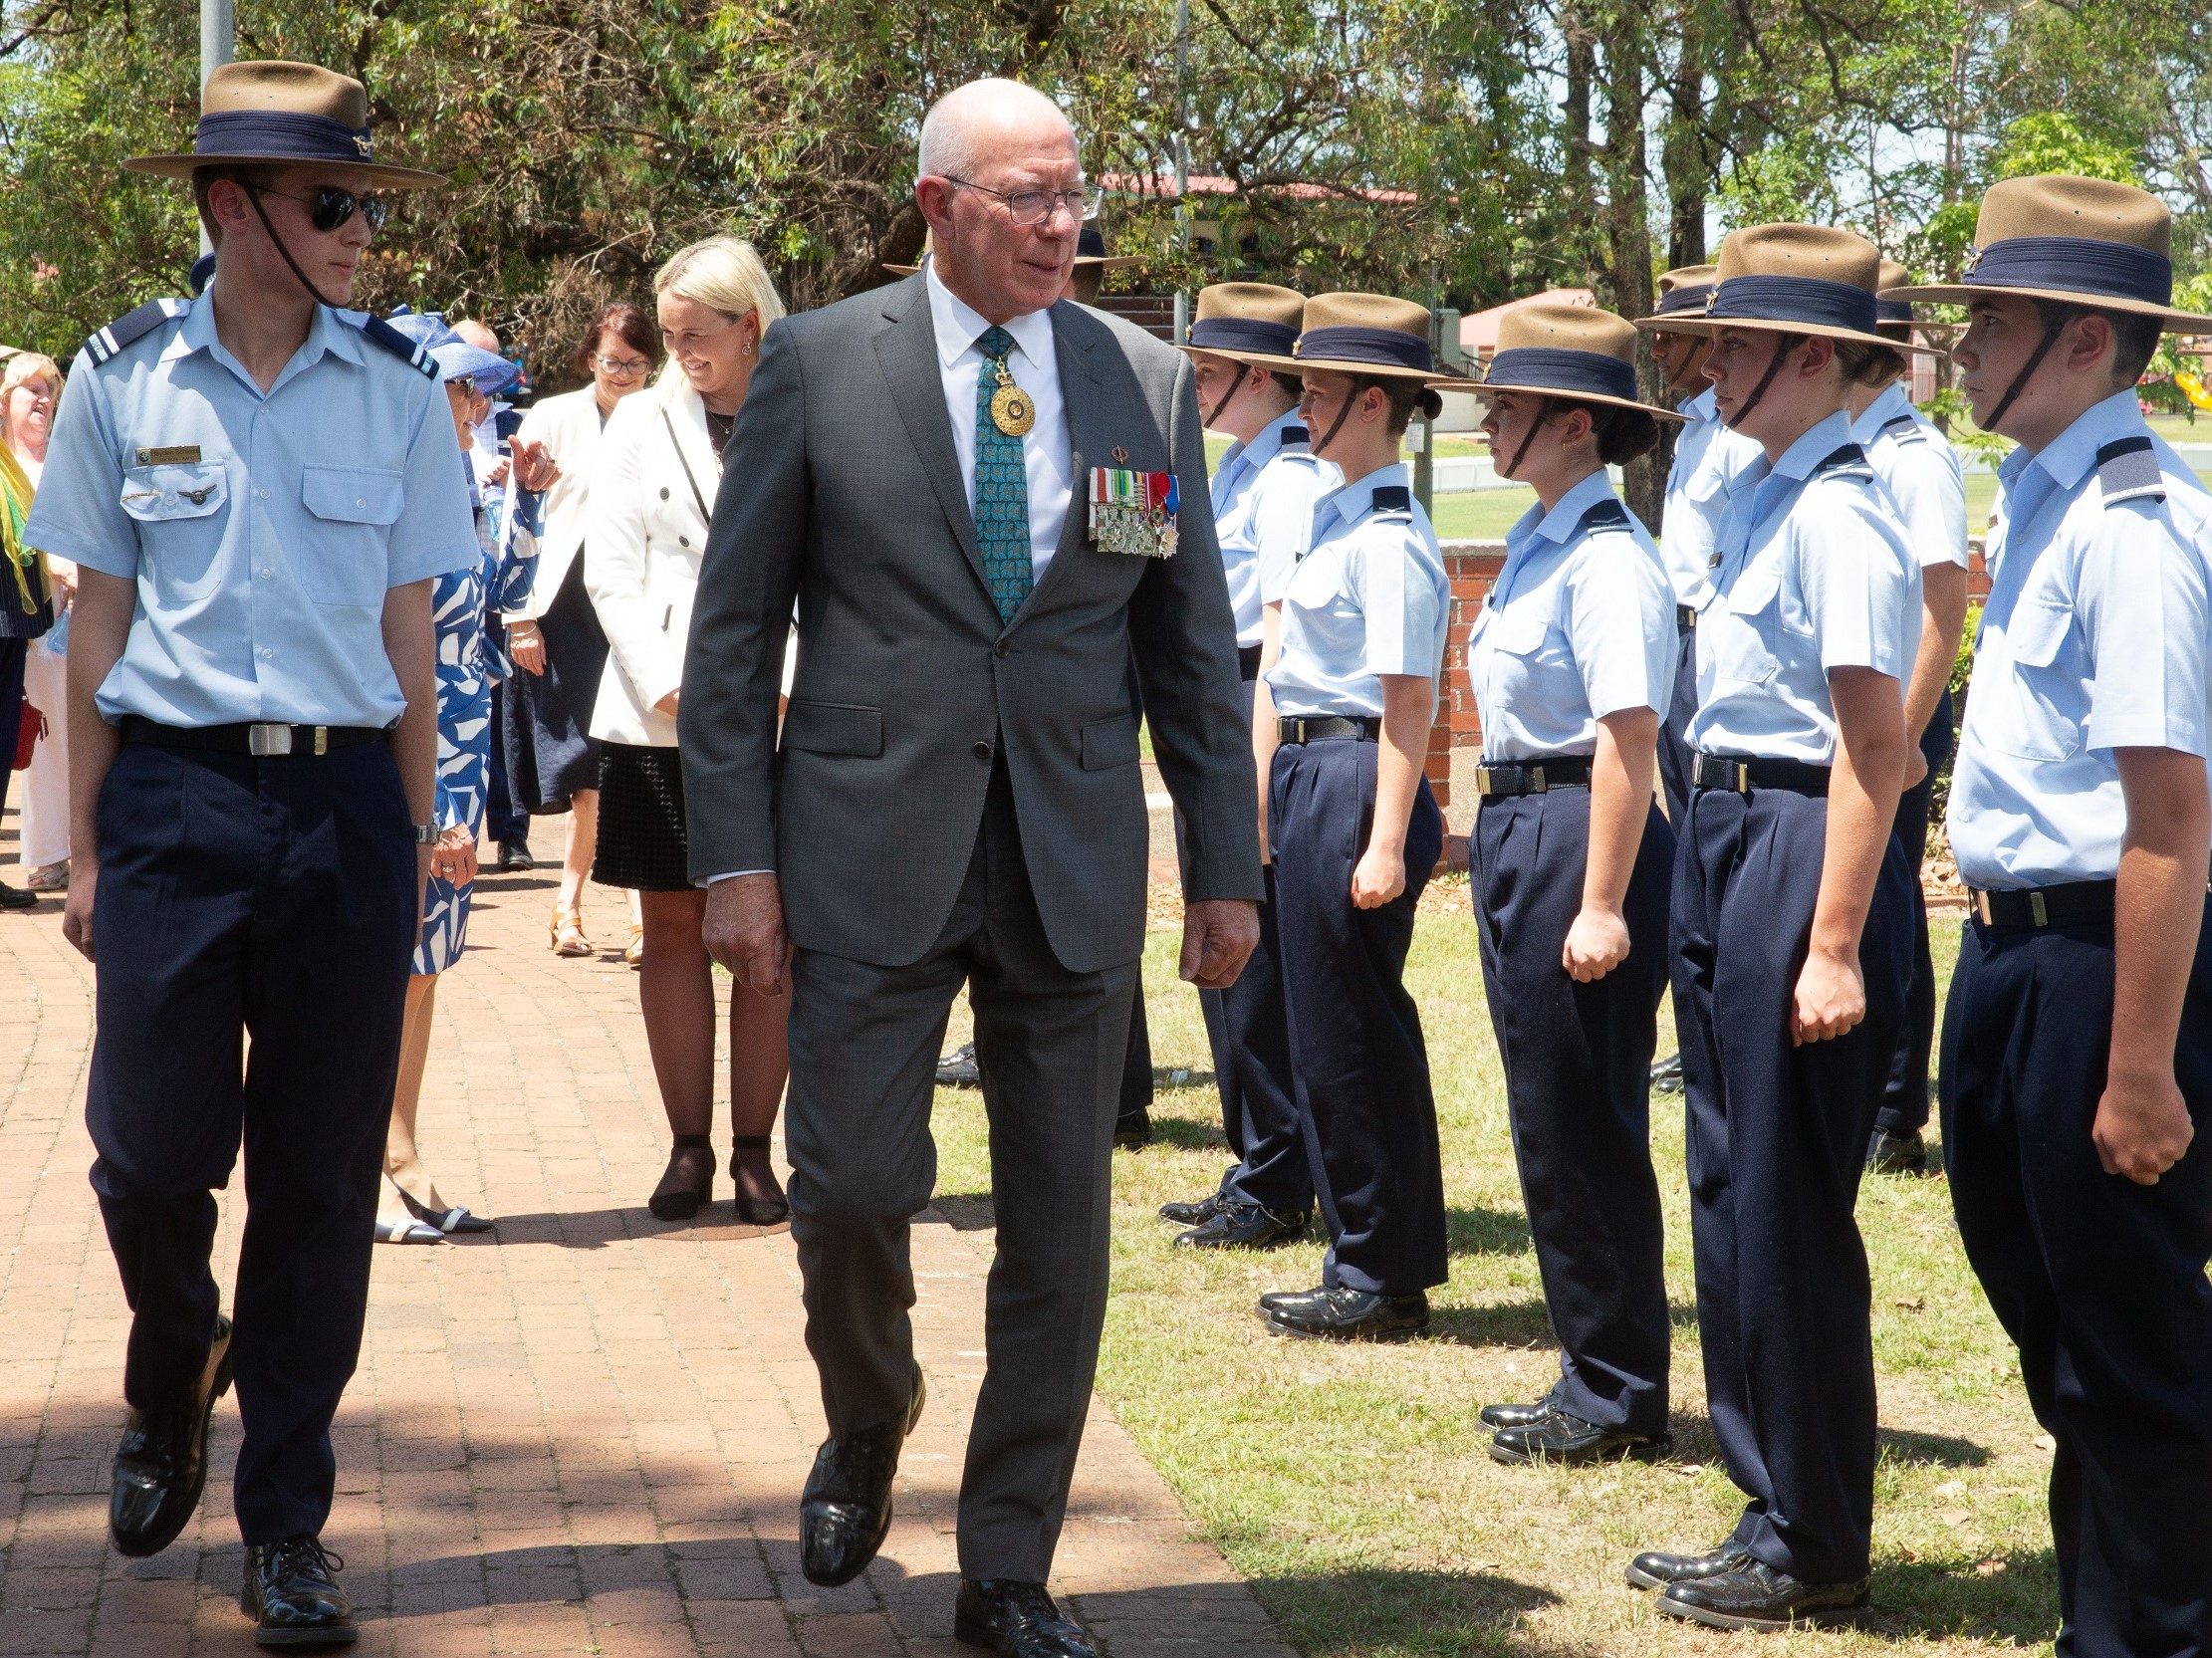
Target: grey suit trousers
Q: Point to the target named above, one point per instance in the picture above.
(864, 1040)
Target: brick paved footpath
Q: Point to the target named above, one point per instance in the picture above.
(587, 1436)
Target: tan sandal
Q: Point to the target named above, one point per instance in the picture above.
(567, 933)
(634, 951)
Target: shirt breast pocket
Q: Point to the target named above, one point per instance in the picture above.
(2037, 727)
(345, 556)
(180, 515)
(1749, 627)
(1526, 633)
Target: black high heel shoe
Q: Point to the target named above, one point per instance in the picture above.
(756, 1211)
(678, 1198)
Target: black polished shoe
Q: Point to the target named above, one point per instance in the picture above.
(1243, 1225)
(1666, 1075)
(162, 1463)
(1559, 1437)
(14, 897)
(1515, 1416)
(515, 858)
(1350, 1315)
(1756, 1596)
(773, 1210)
(688, 1181)
(1889, 1153)
(1655, 1570)
(1132, 1130)
(1015, 1620)
(846, 1511)
(958, 1068)
(292, 1594)
(1194, 1214)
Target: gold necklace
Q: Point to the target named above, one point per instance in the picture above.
(1012, 411)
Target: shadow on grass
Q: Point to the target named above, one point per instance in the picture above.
(1487, 1232)
(2009, 1597)
(1348, 1615)
(1185, 1135)
(1940, 1450)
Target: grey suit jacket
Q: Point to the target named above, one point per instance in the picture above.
(842, 491)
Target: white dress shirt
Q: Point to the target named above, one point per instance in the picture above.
(1046, 451)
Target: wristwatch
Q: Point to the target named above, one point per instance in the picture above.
(425, 835)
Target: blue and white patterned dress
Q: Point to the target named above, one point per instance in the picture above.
(467, 665)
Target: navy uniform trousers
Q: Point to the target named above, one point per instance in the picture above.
(1776, 1140)
(1577, 1066)
(1250, 1036)
(274, 899)
(1365, 1102)
(1675, 744)
(1904, 1104)
(2101, 1282)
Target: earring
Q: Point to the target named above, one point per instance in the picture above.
(747, 348)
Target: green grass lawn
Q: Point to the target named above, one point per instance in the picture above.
(1350, 1484)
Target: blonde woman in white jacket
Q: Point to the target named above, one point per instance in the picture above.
(553, 761)
(659, 466)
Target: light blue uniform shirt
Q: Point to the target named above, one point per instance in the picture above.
(2095, 637)
(261, 567)
(1920, 469)
(1814, 576)
(1369, 598)
(1709, 459)
(1263, 511)
(1579, 624)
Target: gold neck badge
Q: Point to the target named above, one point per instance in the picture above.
(1012, 411)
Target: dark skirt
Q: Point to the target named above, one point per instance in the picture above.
(545, 723)
(642, 843)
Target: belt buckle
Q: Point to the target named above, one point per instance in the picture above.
(1483, 784)
(264, 741)
(1532, 779)
(1981, 907)
(2035, 910)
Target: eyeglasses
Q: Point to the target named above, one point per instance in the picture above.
(621, 367)
(331, 207)
(1027, 207)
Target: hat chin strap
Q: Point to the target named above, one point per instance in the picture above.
(1542, 413)
(1782, 350)
(253, 194)
(1358, 385)
(1235, 386)
(2066, 314)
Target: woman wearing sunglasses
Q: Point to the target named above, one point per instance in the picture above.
(553, 760)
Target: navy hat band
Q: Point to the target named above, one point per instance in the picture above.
(281, 135)
(1767, 299)
(1385, 348)
(1689, 297)
(1893, 311)
(1555, 369)
(1090, 243)
(2079, 264)
(1241, 334)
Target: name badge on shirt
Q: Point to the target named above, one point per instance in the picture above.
(1134, 511)
(182, 454)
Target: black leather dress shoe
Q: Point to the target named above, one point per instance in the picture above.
(1756, 1596)
(15, 897)
(1350, 1315)
(1515, 1416)
(515, 858)
(1015, 1620)
(846, 1511)
(959, 1070)
(1242, 1226)
(1889, 1153)
(1132, 1130)
(162, 1463)
(1666, 1075)
(1194, 1214)
(1557, 1436)
(1655, 1570)
(292, 1594)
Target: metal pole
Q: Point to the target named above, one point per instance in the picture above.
(1422, 434)
(216, 51)
(1182, 167)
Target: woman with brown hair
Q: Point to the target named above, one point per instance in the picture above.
(29, 390)
(553, 761)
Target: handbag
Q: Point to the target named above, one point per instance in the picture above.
(28, 730)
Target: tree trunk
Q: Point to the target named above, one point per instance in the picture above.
(1581, 192)
(1624, 284)
(1682, 153)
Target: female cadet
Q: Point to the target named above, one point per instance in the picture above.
(1341, 722)
(1572, 662)
(1792, 928)
(1262, 498)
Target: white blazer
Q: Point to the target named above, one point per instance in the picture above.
(653, 489)
(568, 427)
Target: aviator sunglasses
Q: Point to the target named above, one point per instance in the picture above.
(331, 206)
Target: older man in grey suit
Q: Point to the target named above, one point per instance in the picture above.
(958, 800)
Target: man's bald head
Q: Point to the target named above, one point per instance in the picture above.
(969, 123)
(477, 333)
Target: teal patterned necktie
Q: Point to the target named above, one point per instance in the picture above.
(1001, 489)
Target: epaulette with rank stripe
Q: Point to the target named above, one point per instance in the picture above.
(381, 332)
(1844, 459)
(1904, 429)
(1393, 498)
(133, 326)
(2127, 468)
(1296, 437)
(1608, 514)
